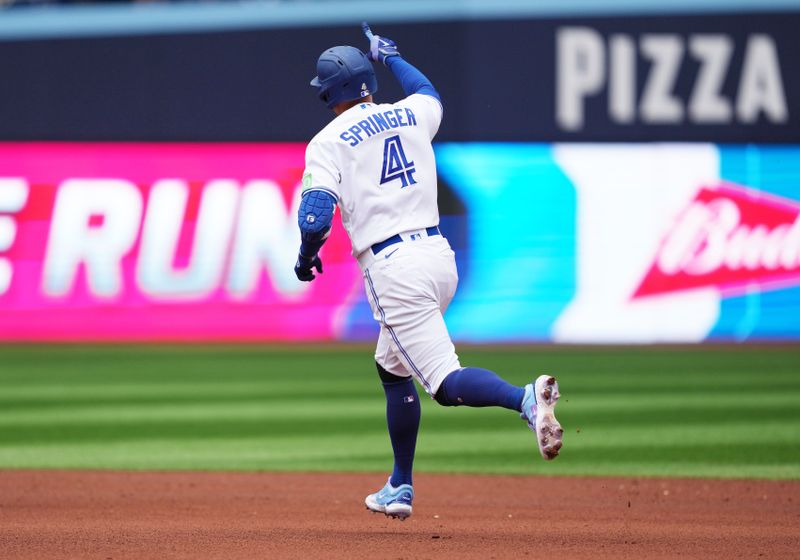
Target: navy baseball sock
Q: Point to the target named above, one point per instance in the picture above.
(472, 386)
(402, 417)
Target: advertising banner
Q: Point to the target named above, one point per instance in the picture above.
(684, 243)
(722, 78)
(576, 243)
(160, 242)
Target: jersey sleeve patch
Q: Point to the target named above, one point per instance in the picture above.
(321, 173)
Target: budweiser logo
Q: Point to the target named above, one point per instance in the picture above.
(731, 238)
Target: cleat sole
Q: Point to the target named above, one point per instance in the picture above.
(398, 511)
(549, 431)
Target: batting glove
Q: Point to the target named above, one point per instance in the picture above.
(380, 48)
(304, 265)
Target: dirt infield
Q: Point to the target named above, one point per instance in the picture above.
(114, 515)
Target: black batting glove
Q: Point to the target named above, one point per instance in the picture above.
(304, 265)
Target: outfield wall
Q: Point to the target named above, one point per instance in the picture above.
(555, 242)
(609, 171)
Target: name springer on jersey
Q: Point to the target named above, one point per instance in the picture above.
(377, 123)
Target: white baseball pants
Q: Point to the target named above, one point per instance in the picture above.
(409, 286)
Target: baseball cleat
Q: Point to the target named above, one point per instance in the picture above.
(538, 409)
(391, 501)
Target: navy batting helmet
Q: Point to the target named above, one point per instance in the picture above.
(344, 74)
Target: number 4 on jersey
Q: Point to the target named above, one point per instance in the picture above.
(396, 164)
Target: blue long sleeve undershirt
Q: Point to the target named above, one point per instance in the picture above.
(411, 80)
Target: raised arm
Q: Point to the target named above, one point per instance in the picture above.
(384, 50)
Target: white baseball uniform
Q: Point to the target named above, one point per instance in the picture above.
(377, 161)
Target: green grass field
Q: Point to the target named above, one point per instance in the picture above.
(665, 411)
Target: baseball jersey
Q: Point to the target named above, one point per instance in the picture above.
(377, 161)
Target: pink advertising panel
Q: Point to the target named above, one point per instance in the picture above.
(161, 242)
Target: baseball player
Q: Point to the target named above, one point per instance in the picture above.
(375, 162)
